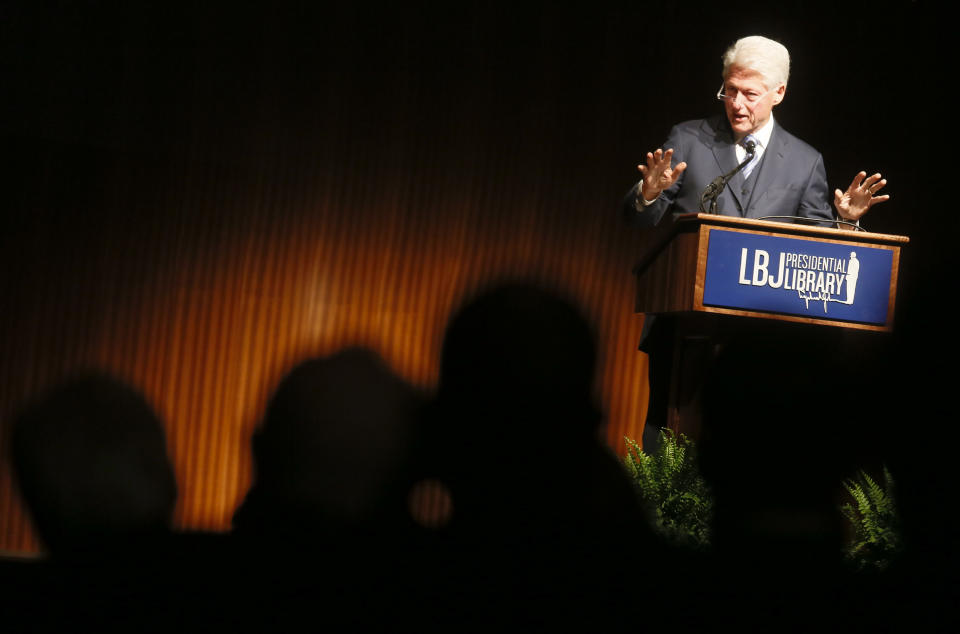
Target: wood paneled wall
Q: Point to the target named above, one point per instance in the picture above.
(206, 307)
(199, 232)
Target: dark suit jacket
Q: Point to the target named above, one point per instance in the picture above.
(789, 181)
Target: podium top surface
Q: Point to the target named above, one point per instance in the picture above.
(671, 226)
(793, 228)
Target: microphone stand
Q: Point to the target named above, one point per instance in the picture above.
(712, 191)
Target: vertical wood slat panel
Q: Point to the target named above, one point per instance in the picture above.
(203, 279)
(208, 349)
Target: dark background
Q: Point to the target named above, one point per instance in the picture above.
(144, 76)
(583, 90)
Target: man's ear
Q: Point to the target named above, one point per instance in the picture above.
(779, 94)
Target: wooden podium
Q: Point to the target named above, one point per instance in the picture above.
(718, 276)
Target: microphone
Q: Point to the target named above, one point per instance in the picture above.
(712, 191)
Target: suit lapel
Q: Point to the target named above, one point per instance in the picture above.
(726, 157)
(769, 168)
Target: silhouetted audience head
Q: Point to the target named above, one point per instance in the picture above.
(785, 418)
(326, 514)
(332, 446)
(518, 350)
(778, 421)
(91, 460)
(541, 511)
(773, 450)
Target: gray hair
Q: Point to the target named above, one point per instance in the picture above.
(765, 56)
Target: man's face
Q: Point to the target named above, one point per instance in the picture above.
(750, 108)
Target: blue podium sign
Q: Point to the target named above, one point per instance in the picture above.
(810, 278)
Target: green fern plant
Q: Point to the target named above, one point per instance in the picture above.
(873, 516)
(672, 490)
(680, 504)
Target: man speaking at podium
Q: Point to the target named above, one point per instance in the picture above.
(743, 164)
(785, 177)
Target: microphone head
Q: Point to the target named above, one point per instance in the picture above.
(751, 146)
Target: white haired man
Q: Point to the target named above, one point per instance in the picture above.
(786, 179)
